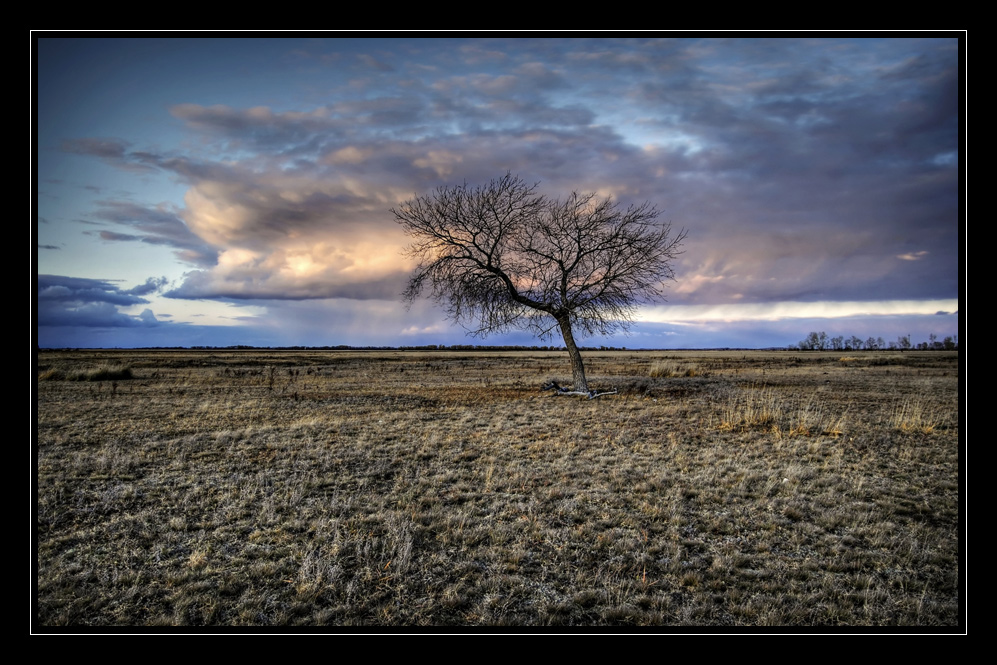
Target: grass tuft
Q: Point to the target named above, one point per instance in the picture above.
(915, 414)
(753, 407)
(758, 407)
(52, 374)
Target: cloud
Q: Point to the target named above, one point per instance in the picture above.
(790, 310)
(802, 170)
(374, 63)
(109, 150)
(249, 280)
(259, 127)
(75, 301)
(293, 236)
(157, 226)
(151, 285)
(259, 230)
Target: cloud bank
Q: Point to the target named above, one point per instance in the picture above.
(806, 170)
(69, 301)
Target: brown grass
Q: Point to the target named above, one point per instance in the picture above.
(415, 489)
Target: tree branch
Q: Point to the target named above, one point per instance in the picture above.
(502, 256)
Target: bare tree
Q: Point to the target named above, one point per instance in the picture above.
(502, 256)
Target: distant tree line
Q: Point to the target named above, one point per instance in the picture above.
(819, 341)
(346, 347)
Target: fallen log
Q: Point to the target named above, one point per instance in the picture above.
(561, 390)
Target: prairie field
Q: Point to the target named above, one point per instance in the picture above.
(419, 488)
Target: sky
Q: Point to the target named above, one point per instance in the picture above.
(212, 191)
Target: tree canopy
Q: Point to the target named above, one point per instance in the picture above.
(503, 256)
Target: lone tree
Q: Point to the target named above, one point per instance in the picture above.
(502, 256)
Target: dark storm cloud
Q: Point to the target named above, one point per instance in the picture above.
(151, 285)
(74, 301)
(155, 226)
(814, 110)
(57, 288)
(847, 161)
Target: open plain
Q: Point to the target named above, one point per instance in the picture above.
(422, 488)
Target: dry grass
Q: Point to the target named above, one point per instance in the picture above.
(916, 413)
(103, 372)
(303, 488)
(663, 369)
(765, 408)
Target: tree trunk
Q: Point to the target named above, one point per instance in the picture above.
(577, 368)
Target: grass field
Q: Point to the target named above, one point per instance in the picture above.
(348, 488)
